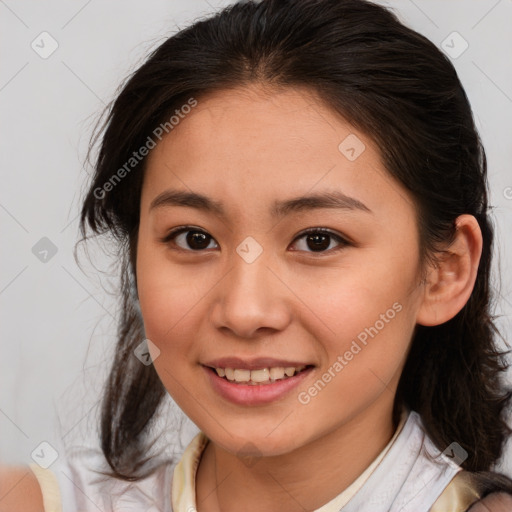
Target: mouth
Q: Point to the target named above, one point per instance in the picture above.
(255, 383)
(258, 376)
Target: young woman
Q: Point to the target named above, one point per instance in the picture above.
(299, 196)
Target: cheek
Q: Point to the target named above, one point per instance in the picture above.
(364, 354)
(167, 312)
(169, 306)
(167, 298)
(344, 301)
(365, 314)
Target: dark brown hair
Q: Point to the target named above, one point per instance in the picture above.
(395, 86)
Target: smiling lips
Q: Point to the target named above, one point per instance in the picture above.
(255, 383)
(256, 371)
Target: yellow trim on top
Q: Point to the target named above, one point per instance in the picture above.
(49, 488)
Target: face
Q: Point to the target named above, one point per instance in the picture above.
(237, 269)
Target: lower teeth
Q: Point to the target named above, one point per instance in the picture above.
(252, 383)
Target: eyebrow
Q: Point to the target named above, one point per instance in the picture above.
(279, 208)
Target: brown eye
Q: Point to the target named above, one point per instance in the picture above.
(197, 240)
(189, 239)
(319, 240)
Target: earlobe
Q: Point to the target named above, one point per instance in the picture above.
(451, 279)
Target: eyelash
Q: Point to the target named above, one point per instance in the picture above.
(184, 229)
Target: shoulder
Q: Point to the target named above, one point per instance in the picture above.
(495, 502)
(19, 490)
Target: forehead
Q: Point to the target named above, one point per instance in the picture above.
(245, 118)
(258, 140)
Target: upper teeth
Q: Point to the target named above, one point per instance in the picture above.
(258, 376)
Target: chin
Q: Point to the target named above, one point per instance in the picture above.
(258, 443)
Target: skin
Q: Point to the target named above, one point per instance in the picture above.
(246, 148)
(19, 490)
(496, 502)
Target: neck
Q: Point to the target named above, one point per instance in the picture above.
(285, 482)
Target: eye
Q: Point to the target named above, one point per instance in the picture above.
(319, 240)
(189, 238)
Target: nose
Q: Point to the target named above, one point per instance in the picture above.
(251, 300)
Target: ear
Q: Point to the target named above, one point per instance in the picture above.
(451, 279)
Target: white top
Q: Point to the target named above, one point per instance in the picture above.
(407, 476)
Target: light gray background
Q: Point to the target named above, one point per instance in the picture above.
(57, 321)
